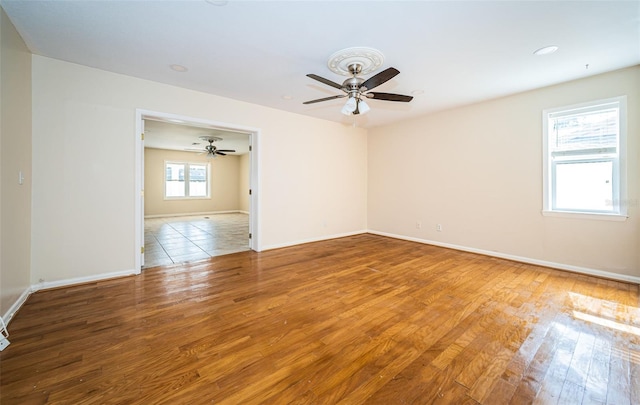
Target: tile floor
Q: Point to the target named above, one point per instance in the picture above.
(184, 239)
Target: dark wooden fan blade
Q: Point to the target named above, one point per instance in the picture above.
(380, 78)
(325, 99)
(390, 97)
(220, 153)
(226, 150)
(325, 81)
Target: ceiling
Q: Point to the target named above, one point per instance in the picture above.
(449, 53)
(161, 134)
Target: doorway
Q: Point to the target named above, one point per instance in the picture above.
(186, 222)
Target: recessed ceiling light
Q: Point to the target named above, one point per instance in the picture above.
(417, 92)
(287, 97)
(546, 50)
(178, 68)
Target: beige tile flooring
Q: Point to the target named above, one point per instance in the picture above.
(184, 239)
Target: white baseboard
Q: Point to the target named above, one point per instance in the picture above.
(13, 309)
(528, 260)
(191, 214)
(318, 239)
(45, 285)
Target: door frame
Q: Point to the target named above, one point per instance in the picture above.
(254, 164)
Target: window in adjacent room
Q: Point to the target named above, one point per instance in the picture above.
(186, 180)
(584, 158)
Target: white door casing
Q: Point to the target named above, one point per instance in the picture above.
(254, 162)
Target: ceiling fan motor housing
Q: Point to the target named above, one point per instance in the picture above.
(353, 84)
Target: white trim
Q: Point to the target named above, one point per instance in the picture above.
(138, 194)
(254, 182)
(521, 259)
(255, 206)
(15, 307)
(186, 198)
(187, 180)
(619, 161)
(585, 215)
(191, 214)
(311, 240)
(45, 285)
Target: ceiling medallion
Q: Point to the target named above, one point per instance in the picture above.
(370, 59)
(210, 138)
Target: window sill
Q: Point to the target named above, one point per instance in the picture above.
(186, 198)
(584, 215)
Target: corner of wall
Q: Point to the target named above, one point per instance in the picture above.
(15, 168)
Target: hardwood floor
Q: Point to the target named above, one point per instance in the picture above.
(363, 319)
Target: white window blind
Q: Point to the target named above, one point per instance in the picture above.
(585, 132)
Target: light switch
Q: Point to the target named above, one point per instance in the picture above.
(20, 178)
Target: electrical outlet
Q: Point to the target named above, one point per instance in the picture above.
(439, 227)
(418, 225)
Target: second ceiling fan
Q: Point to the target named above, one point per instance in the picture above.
(211, 150)
(358, 89)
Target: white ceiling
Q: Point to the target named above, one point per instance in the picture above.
(455, 52)
(187, 137)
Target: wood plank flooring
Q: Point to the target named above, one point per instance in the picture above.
(364, 319)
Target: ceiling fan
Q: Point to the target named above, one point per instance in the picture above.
(358, 89)
(211, 150)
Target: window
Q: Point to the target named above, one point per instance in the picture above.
(584, 153)
(186, 180)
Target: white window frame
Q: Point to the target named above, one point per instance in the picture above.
(618, 158)
(186, 180)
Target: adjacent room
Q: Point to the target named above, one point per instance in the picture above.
(356, 202)
(196, 200)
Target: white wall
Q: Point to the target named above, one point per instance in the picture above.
(15, 157)
(477, 170)
(83, 167)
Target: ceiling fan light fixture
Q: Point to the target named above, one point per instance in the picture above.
(350, 106)
(363, 107)
(356, 88)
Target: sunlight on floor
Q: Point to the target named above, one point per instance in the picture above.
(606, 323)
(612, 315)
